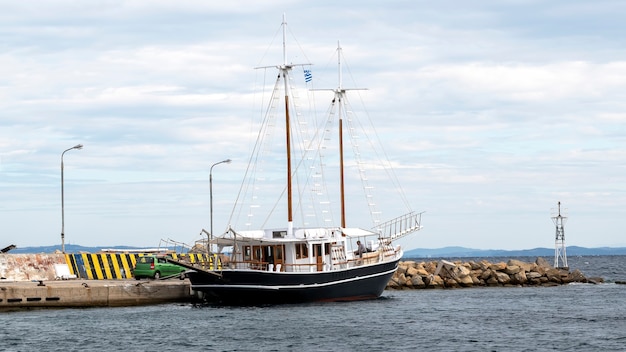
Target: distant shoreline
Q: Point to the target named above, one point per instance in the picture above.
(462, 252)
(445, 252)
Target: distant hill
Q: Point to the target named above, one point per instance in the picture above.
(459, 252)
(446, 252)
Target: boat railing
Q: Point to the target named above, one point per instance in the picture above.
(344, 264)
(401, 226)
(366, 258)
(382, 254)
(385, 253)
(249, 265)
(266, 266)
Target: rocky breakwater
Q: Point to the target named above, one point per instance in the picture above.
(446, 274)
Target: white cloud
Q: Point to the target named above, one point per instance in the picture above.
(491, 112)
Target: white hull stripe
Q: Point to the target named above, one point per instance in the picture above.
(300, 286)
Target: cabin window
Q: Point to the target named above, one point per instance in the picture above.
(256, 253)
(301, 251)
(279, 234)
(269, 254)
(279, 252)
(247, 253)
(327, 248)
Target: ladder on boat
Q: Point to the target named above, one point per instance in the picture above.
(400, 226)
(338, 256)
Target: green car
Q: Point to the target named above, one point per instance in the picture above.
(156, 267)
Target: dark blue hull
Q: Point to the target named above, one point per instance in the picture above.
(251, 287)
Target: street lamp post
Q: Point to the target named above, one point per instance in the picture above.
(227, 161)
(78, 146)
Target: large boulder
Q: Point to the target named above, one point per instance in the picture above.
(394, 284)
(576, 276)
(503, 278)
(599, 280)
(512, 269)
(461, 271)
(421, 270)
(430, 267)
(402, 268)
(398, 281)
(554, 275)
(519, 278)
(525, 266)
(542, 263)
(492, 280)
(450, 283)
(434, 281)
(412, 271)
(475, 266)
(497, 266)
(465, 281)
(417, 282)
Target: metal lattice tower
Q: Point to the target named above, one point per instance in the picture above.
(559, 243)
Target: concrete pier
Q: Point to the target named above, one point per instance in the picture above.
(91, 293)
(83, 280)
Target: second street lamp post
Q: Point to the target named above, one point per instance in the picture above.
(78, 146)
(227, 161)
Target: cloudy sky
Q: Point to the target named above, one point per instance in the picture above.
(492, 111)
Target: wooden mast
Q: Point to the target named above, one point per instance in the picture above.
(340, 93)
(285, 73)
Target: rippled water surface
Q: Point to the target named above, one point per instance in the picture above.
(577, 317)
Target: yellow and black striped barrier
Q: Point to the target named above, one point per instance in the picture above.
(112, 266)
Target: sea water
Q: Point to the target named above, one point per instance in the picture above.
(574, 317)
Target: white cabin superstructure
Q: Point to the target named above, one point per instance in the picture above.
(306, 250)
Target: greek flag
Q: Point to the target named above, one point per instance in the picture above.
(308, 76)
